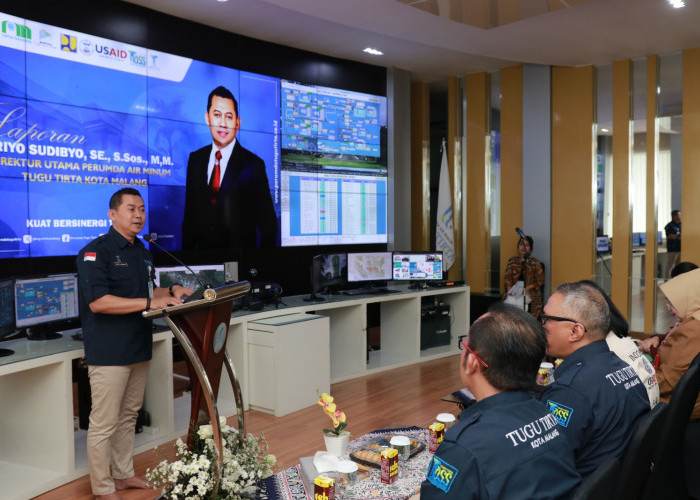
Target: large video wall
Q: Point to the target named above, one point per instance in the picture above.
(82, 116)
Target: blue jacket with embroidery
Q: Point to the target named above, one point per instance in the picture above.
(598, 400)
(505, 446)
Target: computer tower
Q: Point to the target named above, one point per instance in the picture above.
(435, 325)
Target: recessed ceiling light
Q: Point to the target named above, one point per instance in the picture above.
(604, 130)
(677, 4)
(222, 0)
(373, 52)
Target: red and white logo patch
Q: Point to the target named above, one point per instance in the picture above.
(91, 256)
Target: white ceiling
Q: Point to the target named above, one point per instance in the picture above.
(432, 47)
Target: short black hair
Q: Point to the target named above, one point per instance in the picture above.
(116, 200)
(513, 344)
(675, 212)
(682, 267)
(618, 324)
(224, 93)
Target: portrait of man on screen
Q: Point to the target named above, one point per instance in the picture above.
(227, 196)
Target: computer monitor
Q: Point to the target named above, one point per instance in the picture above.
(46, 305)
(7, 312)
(602, 243)
(328, 272)
(212, 275)
(417, 267)
(636, 239)
(370, 266)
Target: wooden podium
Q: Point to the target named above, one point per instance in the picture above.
(201, 327)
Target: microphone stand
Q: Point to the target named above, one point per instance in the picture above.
(199, 293)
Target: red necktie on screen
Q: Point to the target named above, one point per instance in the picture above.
(216, 176)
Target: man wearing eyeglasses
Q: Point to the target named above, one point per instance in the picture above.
(506, 445)
(596, 397)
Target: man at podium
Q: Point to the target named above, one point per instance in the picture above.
(115, 273)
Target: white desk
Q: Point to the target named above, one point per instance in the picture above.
(40, 450)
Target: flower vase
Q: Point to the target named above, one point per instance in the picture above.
(337, 445)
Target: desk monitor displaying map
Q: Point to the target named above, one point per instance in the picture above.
(374, 266)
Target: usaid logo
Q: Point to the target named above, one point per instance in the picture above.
(107, 51)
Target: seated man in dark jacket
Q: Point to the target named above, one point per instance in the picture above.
(506, 445)
(597, 398)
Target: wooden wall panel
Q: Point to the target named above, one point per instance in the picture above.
(622, 164)
(511, 162)
(690, 205)
(478, 232)
(420, 166)
(454, 150)
(573, 175)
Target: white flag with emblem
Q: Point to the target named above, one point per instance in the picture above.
(444, 231)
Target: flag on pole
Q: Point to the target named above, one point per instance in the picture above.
(444, 230)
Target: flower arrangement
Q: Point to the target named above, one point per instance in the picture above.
(244, 463)
(337, 417)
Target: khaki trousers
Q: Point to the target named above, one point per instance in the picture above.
(117, 396)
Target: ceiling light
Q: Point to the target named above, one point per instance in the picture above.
(373, 52)
(604, 130)
(677, 4)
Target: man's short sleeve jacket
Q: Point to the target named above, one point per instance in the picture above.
(112, 265)
(597, 399)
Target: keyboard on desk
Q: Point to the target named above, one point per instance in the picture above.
(370, 290)
(359, 291)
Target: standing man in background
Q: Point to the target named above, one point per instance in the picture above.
(227, 197)
(115, 273)
(673, 241)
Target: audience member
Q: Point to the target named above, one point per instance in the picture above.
(506, 445)
(619, 342)
(682, 343)
(596, 397)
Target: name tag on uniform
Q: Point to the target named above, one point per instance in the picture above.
(119, 263)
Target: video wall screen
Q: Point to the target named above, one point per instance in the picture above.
(82, 116)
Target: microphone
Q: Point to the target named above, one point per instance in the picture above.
(522, 237)
(199, 293)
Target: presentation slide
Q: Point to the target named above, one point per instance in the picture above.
(83, 116)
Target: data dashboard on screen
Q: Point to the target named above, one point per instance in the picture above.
(333, 173)
(45, 299)
(212, 275)
(82, 116)
(417, 266)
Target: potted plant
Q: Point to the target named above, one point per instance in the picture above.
(337, 438)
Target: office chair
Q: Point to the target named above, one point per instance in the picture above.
(600, 485)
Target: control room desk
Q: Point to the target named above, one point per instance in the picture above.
(41, 450)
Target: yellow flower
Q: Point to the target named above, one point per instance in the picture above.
(340, 415)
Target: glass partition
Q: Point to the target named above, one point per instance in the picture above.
(638, 194)
(668, 175)
(604, 173)
(494, 179)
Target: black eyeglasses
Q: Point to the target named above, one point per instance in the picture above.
(546, 317)
(463, 343)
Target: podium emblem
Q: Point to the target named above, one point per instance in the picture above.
(219, 337)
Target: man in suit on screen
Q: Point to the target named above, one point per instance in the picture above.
(227, 199)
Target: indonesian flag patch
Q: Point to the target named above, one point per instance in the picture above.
(91, 256)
